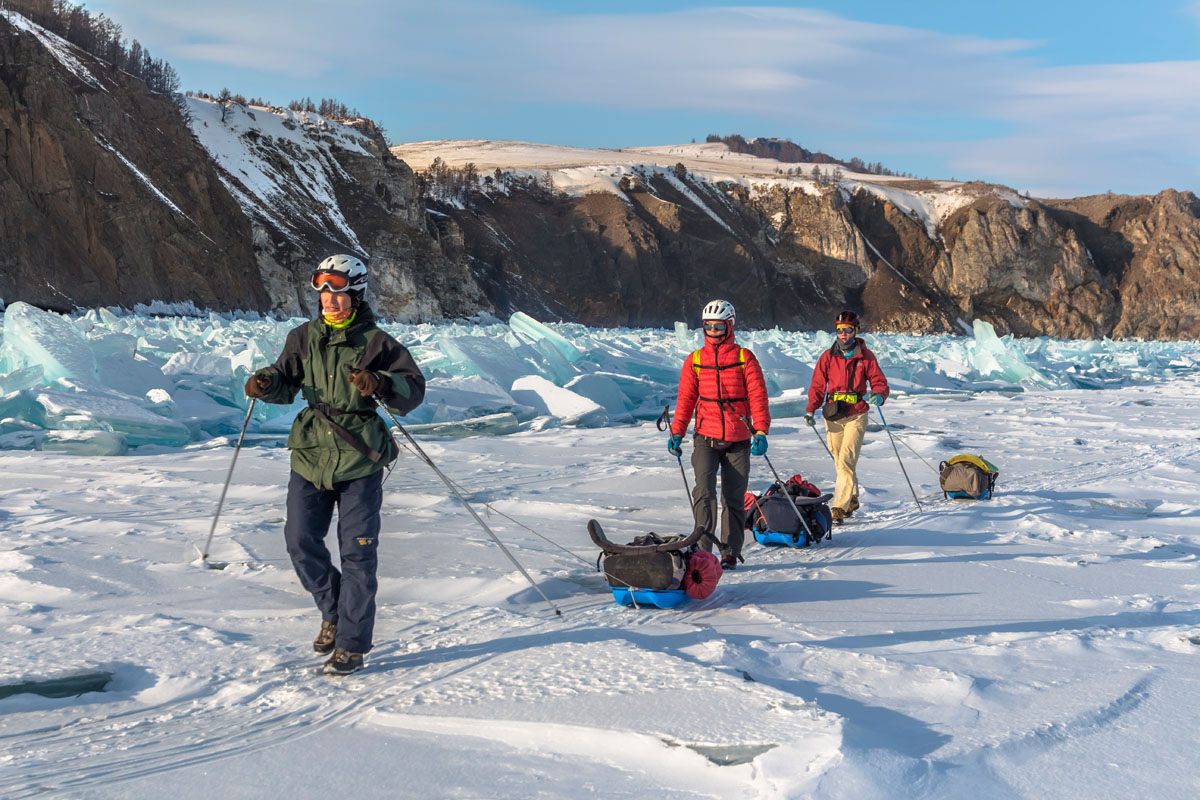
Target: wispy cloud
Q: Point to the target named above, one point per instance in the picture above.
(840, 81)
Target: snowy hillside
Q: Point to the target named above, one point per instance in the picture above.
(277, 163)
(578, 171)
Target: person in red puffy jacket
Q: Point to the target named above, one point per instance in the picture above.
(723, 384)
(839, 388)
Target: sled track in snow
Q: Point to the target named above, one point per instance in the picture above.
(132, 744)
(1086, 723)
(281, 703)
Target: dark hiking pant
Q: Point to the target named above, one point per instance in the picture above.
(733, 459)
(345, 597)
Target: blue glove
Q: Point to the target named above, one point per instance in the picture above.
(759, 447)
(875, 399)
(808, 420)
(674, 445)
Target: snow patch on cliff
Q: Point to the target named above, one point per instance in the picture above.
(278, 163)
(58, 46)
(577, 171)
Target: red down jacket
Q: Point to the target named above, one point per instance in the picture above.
(723, 381)
(836, 374)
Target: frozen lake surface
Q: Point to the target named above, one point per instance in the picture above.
(1045, 643)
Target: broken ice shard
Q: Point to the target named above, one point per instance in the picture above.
(43, 338)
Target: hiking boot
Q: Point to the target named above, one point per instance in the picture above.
(852, 506)
(729, 563)
(324, 641)
(839, 515)
(343, 662)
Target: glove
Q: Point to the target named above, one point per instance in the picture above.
(257, 386)
(674, 445)
(759, 447)
(366, 382)
(808, 420)
(875, 399)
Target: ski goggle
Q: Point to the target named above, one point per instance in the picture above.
(844, 326)
(333, 281)
(715, 326)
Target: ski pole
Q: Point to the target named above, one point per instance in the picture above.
(782, 486)
(663, 423)
(822, 441)
(915, 453)
(225, 488)
(450, 485)
(683, 475)
(902, 469)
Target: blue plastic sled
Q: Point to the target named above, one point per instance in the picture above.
(785, 539)
(964, 496)
(659, 598)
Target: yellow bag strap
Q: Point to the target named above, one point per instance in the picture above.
(741, 362)
(978, 461)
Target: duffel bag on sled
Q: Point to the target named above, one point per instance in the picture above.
(653, 570)
(966, 477)
(796, 516)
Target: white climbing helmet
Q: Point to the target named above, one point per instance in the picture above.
(340, 273)
(718, 309)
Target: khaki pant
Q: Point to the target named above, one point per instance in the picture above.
(845, 442)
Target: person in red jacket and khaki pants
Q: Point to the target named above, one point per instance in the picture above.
(839, 385)
(723, 384)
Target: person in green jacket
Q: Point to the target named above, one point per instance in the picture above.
(340, 446)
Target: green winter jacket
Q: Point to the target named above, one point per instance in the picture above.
(316, 362)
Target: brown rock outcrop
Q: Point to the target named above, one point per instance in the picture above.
(107, 198)
(1019, 268)
(1150, 249)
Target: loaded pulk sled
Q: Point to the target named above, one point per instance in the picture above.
(664, 572)
(792, 514)
(967, 477)
(799, 516)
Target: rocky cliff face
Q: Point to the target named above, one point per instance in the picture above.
(1018, 267)
(312, 188)
(111, 197)
(107, 198)
(649, 257)
(793, 253)
(1149, 250)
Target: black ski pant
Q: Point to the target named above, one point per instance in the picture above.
(733, 459)
(346, 597)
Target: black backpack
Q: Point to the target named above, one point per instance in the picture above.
(775, 511)
(648, 562)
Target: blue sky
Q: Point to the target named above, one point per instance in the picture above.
(1058, 98)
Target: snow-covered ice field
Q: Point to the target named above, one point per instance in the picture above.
(1042, 644)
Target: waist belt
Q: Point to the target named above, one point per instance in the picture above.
(330, 411)
(845, 397)
(324, 411)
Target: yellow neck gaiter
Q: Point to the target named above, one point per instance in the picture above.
(332, 321)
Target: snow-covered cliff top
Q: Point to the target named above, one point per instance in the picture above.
(579, 171)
